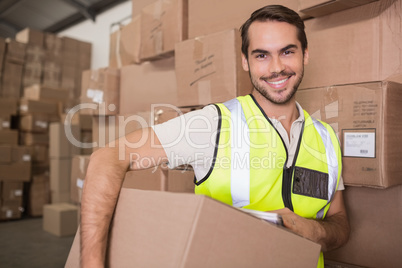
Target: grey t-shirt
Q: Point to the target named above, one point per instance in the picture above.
(191, 139)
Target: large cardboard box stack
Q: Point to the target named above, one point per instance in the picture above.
(76, 59)
(192, 224)
(53, 60)
(64, 142)
(359, 97)
(13, 69)
(8, 112)
(15, 169)
(100, 91)
(34, 55)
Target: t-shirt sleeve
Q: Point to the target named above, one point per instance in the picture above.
(190, 139)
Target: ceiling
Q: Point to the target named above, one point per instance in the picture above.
(48, 15)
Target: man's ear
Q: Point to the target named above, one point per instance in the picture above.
(306, 56)
(244, 62)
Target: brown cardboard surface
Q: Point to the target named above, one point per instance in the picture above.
(375, 217)
(34, 123)
(180, 181)
(30, 36)
(53, 43)
(366, 118)
(208, 69)
(11, 210)
(60, 174)
(336, 41)
(317, 8)
(16, 171)
(147, 179)
(38, 107)
(32, 138)
(148, 83)
(61, 142)
(60, 219)
(40, 92)
(161, 229)
(9, 136)
(163, 24)
(125, 44)
(32, 73)
(51, 74)
(5, 153)
(8, 106)
(39, 194)
(209, 16)
(137, 6)
(15, 51)
(39, 154)
(12, 80)
(79, 167)
(12, 191)
(101, 87)
(59, 197)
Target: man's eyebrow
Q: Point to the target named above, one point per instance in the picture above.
(263, 51)
(260, 51)
(289, 47)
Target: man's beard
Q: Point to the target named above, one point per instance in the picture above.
(266, 94)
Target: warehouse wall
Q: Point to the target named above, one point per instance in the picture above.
(98, 32)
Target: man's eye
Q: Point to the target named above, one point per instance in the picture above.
(288, 52)
(261, 56)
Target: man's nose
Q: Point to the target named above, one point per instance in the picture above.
(276, 65)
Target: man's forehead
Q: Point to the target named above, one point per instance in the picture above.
(272, 33)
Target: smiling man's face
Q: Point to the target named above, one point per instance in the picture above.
(275, 60)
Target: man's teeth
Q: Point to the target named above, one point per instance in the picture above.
(279, 82)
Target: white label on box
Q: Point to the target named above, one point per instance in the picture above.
(5, 124)
(18, 193)
(359, 144)
(26, 158)
(80, 183)
(23, 107)
(41, 124)
(9, 213)
(95, 94)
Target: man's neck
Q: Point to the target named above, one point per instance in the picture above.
(285, 113)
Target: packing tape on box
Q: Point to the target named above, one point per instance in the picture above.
(198, 50)
(158, 41)
(117, 51)
(82, 165)
(158, 10)
(331, 101)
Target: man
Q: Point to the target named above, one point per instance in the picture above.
(304, 170)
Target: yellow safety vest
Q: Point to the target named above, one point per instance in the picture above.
(249, 168)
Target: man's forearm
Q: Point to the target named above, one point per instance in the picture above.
(101, 189)
(330, 233)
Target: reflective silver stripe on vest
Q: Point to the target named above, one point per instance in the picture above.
(240, 155)
(332, 162)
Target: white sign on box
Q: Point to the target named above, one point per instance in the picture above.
(359, 144)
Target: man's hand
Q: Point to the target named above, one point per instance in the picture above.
(330, 233)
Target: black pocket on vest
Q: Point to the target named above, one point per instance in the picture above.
(311, 183)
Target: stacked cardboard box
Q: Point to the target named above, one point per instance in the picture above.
(15, 169)
(53, 60)
(34, 55)
(359, 97)
(61, 151)
(13, 69)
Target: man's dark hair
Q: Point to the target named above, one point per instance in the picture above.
(273, 13)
